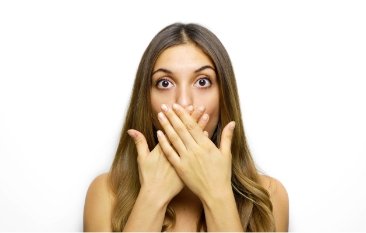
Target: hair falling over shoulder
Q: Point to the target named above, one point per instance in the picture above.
(253, 201)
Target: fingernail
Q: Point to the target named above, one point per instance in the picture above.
(175, 106)
(190, 108)
(164, 107)
(232, 125)
(131, 133)
(205, 117)
(160, 134)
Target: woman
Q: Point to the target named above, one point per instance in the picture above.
(189, 169)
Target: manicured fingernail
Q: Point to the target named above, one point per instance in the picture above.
(164, 107)
(205, 117)
(161, 116)
(232, 125)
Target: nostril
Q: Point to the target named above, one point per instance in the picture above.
(184, 98)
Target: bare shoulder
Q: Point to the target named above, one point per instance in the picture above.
(273, 186)
(279, 199)
(98, 205)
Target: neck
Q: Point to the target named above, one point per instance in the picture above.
(186, 199)
(188, 209)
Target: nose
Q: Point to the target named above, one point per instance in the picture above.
(184, 97)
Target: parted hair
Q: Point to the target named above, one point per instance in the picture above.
(252, 200)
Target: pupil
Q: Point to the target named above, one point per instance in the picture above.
(202, 82)
(165, 83)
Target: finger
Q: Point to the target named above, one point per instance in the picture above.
(169, 152)
(203, 121)
(140, 142)
(197, 113)
(181, 128)
(172, 135)
(189, 109)
(189, 125)
(226, 138)
(206, 133)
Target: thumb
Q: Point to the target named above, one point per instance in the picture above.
(140, 142)
(226, 138)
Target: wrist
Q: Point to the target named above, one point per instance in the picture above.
(147, 213)
(221, 211)
(154, 197)
(217, 197)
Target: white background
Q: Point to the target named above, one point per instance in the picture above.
(66, 72)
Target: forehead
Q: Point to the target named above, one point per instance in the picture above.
(183, 56)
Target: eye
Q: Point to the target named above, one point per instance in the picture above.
(204, 82)
(163, 83)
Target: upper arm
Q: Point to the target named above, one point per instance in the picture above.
(98, 205)
(280, 202)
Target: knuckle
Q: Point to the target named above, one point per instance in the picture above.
(196, 149)
(191, 126)
(174, 137)
(180, 128)
(139, 140)
(224, 136)
(170, 152)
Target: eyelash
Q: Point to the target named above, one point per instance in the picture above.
(161, 80)
(164, 79)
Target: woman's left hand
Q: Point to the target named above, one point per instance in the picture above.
(203, 167)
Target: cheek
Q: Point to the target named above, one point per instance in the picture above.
(213, 110)
(157, 99)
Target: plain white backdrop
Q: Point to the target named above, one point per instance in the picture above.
(66, 72)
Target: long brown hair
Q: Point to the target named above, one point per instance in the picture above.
(253, 201)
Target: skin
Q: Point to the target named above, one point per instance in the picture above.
(185, 75)
(185, 169)
(160, 183)
(150, 207)
(203, 167)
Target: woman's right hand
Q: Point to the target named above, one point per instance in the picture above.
(157, 176)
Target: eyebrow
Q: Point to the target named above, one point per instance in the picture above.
(196, 71)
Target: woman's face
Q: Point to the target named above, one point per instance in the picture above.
(185, 75)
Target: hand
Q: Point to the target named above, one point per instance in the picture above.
(156, 174)
(204, 168)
